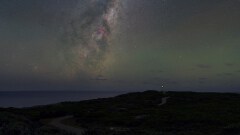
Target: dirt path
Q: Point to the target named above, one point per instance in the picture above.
(164, 101)
(57, 122)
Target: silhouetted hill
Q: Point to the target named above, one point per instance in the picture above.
(139, 113)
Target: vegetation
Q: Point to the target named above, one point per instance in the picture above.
(185, 113)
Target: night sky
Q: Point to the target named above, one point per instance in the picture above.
(128, 45)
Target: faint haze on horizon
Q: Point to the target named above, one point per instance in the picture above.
(121, 45)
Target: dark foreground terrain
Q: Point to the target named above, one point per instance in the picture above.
(143, 113)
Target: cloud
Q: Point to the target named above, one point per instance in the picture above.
(160, 81)
(202, 78)
(100, 78)
(156, 71)
(230, 64)
(225, 74)
(228, 74)
(204, 66)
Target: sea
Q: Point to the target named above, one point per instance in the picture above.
(20, 99)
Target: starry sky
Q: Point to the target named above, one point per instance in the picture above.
(120, 45)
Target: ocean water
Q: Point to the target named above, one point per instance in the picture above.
(21, 99)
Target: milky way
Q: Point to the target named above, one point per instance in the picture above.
(90, 38)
